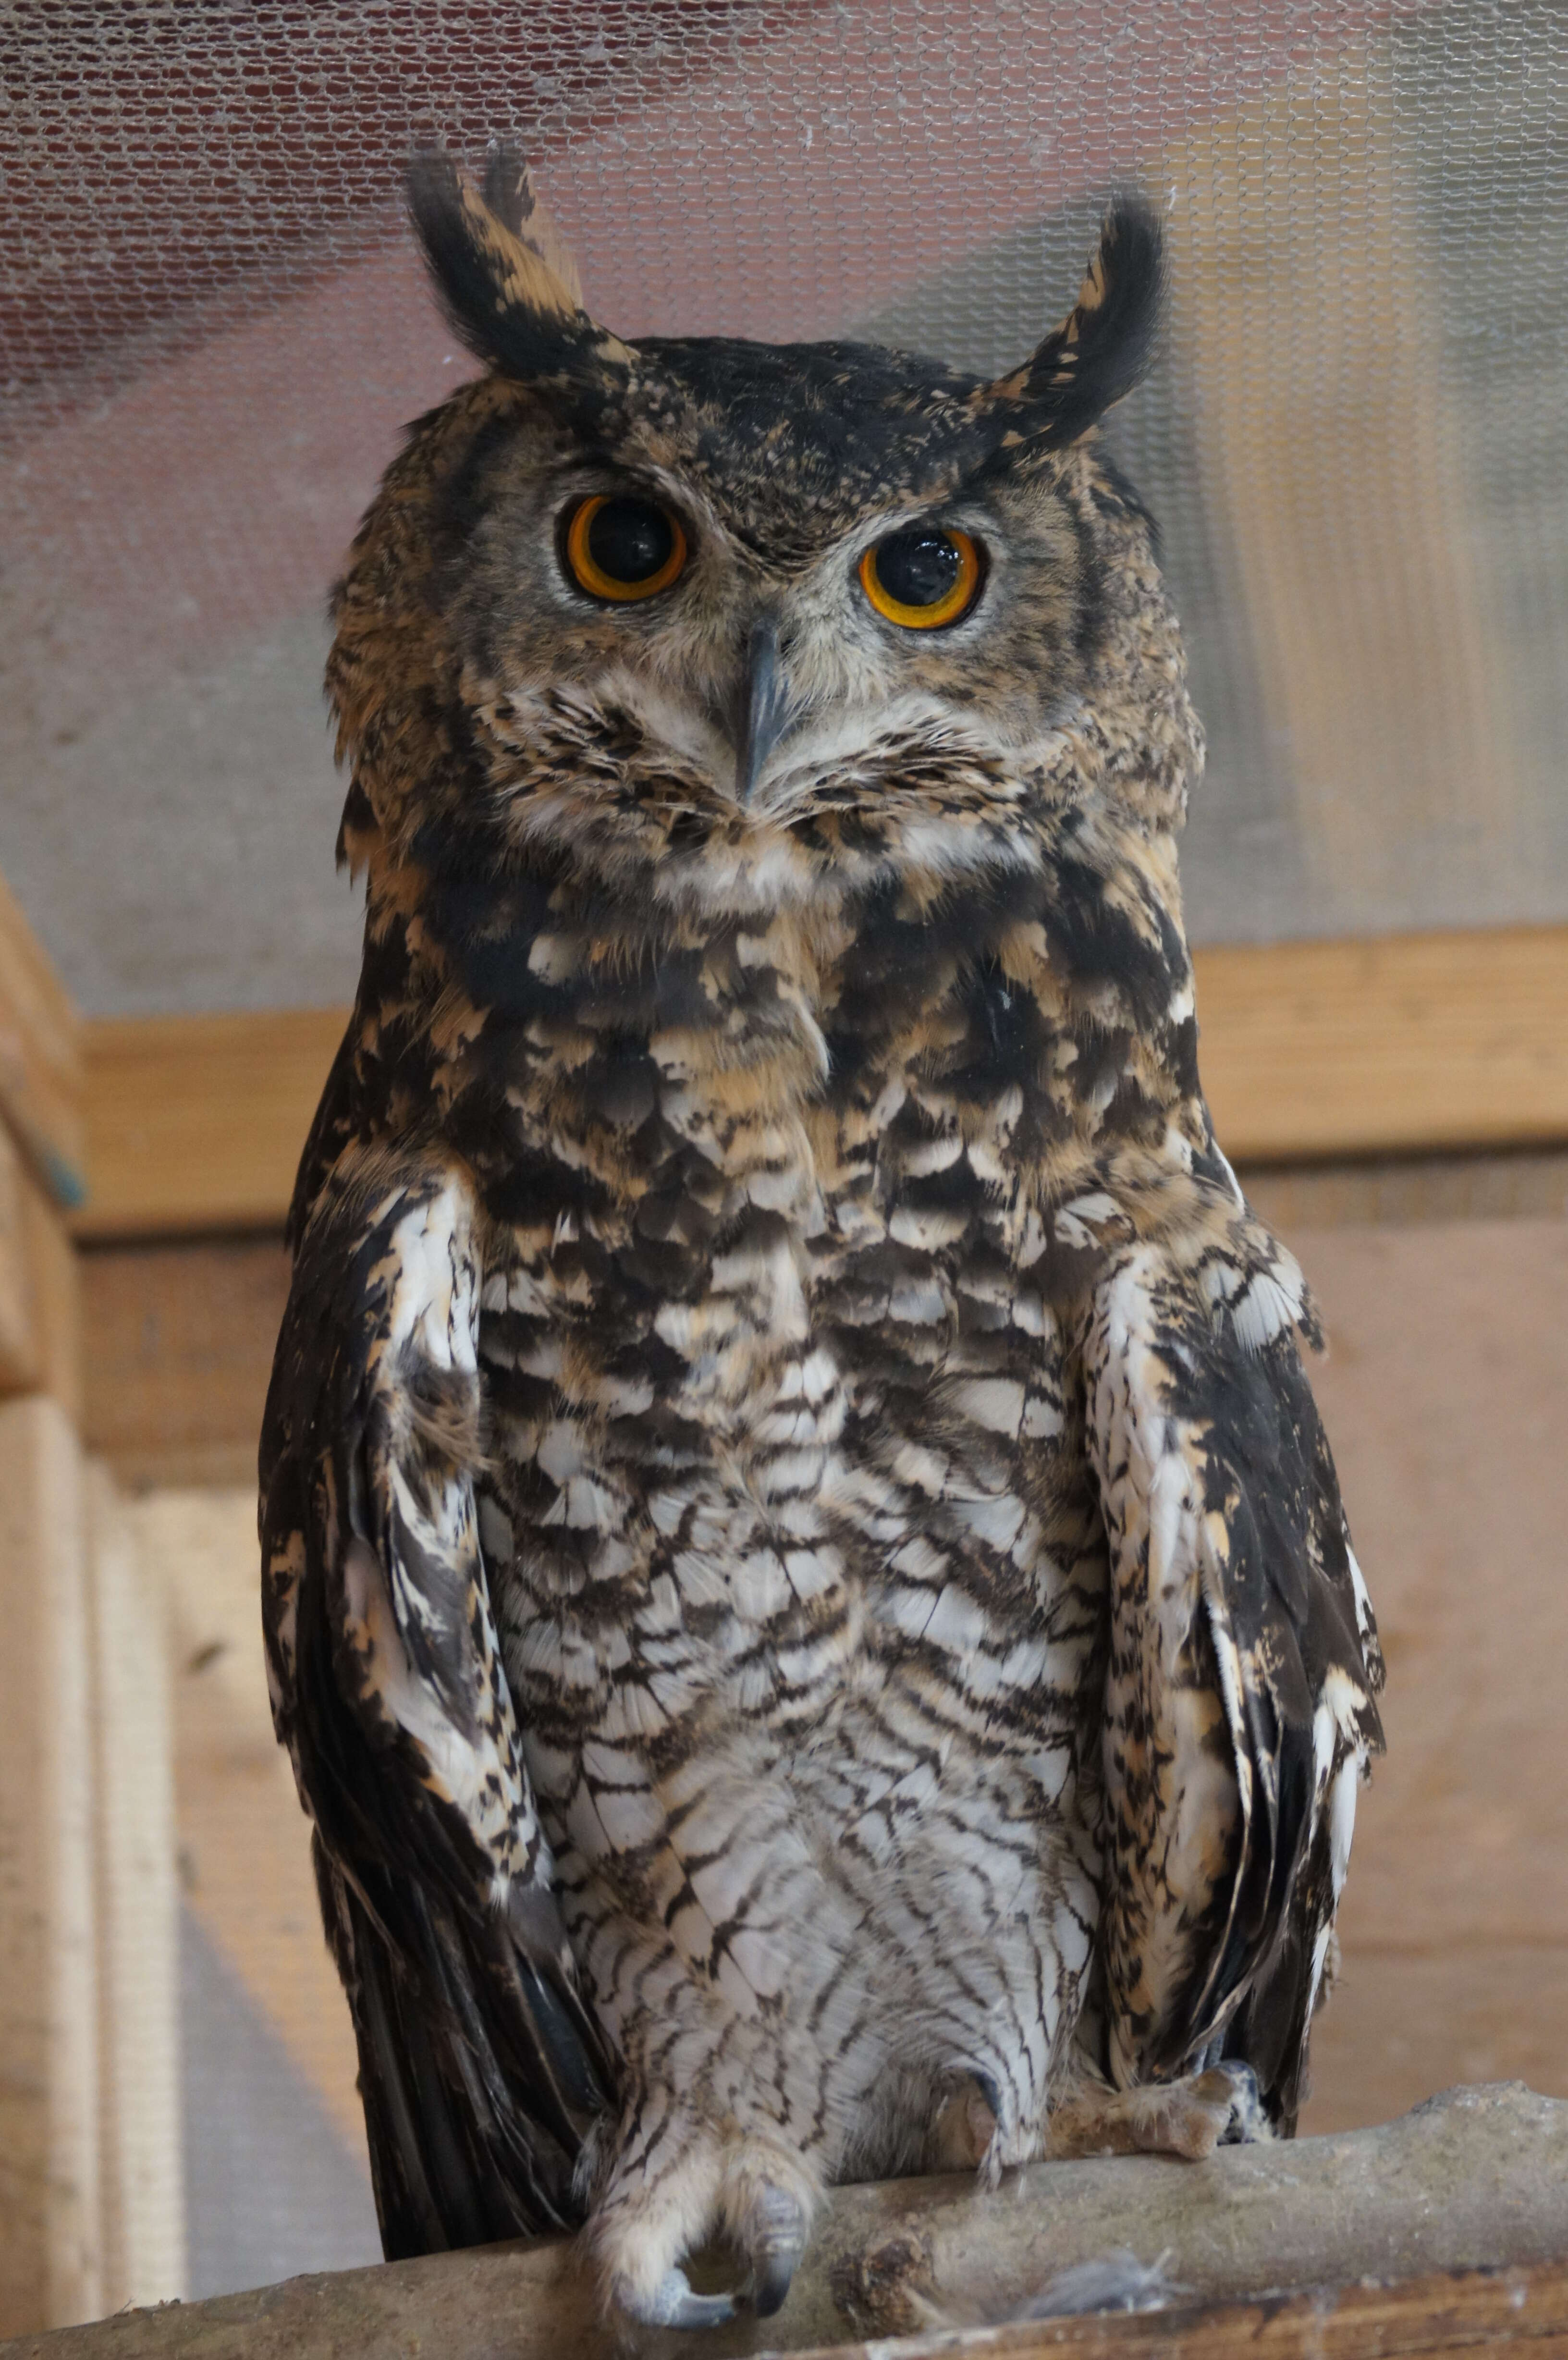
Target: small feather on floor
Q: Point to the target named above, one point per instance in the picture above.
(1118, 2282)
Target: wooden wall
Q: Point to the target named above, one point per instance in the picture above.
(91, 2196)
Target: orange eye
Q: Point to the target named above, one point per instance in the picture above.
(624, 549)
(921, 578)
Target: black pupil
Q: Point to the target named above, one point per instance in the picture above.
(918, 569)
(630, 540)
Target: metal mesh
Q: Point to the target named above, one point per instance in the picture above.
(1354, 439)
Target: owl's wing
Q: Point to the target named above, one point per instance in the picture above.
(479, 2067)
(1244, 1662)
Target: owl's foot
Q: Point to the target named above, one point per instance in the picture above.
(1189, 2117)
(751, 2193)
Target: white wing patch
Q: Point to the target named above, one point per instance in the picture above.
(419, 1598)
(1206, 1460)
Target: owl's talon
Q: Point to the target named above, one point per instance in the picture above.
(771, 2283)
(773, 2239)
(675, 2303)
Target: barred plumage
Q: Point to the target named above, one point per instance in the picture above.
(804, 1584)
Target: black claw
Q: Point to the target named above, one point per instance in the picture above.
(774, 2246)
(772, 2283)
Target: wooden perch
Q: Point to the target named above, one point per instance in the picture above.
(1475, 2181)
(1447, 2311)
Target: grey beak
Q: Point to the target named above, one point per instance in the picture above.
(764, 709)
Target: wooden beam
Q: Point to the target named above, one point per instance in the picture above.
(50, 2230)
(196, 1122)
(39, 1308)
(54, 1277)
(42, 1158)
(138, 1915)
(19, 1357)
(40, 1059)
(1522, 2310)
(244, 1843)
(182, 1338)
(1411, 1192)
(1397, 1044)
(1402, 1044)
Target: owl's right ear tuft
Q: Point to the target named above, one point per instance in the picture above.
(505, 278)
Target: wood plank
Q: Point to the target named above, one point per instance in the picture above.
(1411, 1191)
(40, 1324)
(244, 1843)
(50, 2229)
(40, 1059)
(54, 1280)
(1520, 2311)
(19, 1325)
(196, 1122)
(138, 1923)
(1403, 1044)
(354, 2315)
(182, 1339)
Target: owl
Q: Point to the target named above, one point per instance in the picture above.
(804, 1585)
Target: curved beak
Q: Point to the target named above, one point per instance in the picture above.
(764, 709)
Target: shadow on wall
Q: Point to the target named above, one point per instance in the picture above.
(271, 2188)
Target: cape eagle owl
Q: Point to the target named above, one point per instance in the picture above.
(804, 1584)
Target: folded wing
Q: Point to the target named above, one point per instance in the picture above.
(1244, 1657)
(480, 2069)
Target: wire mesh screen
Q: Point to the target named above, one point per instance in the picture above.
(1355, 438)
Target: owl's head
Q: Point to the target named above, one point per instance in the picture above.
(734, 616)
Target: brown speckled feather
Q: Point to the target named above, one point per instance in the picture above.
(806, 1590)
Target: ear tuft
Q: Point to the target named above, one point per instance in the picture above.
(1103, 345)
(510, 195)
(504, 280)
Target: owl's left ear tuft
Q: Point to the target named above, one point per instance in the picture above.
(1102, 347)
(505, 281)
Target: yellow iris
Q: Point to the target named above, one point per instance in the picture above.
(624, 549)
(947, 563)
